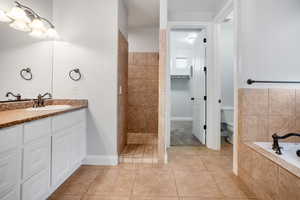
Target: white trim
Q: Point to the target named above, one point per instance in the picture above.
(230, 6)
(101, 160)
(227, 108)
(181, 119)
(211, 130)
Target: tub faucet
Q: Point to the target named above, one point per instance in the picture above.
(276, 137)
(17, 96)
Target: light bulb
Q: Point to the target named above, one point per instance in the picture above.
(51, 33)
(17, 13)
(37, 33)
(20, 25)
(37, 24)
(4, 17)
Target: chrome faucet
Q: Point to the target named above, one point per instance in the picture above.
(40, 101)
(17, 96)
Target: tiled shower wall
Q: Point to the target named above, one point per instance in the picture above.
(122, 95)
(263, 112)
(143, 93)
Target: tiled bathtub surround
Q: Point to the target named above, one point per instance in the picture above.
(265, 178)
(263, 112)
(143, 93)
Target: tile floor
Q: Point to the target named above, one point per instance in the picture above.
(193, 173)
(182, 134)
(140, 148)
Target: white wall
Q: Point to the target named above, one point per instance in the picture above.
(269, 41)
(123, 18)
(91, 45)
(18, 50)
(181, 89)
(181, 104)
(193, 10)
(227, 62)
(143, 39)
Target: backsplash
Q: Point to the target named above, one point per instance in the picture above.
(143, 93)
(263, 112)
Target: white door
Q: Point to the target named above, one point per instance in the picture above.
(199, 89)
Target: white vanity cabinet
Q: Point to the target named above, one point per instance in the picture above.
(68, 145)
(38, 156)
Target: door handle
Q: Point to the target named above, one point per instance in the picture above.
(193, 98)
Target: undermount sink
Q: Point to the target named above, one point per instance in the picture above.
(48, 108)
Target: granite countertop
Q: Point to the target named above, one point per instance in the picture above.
(276, 159)
(15, 113)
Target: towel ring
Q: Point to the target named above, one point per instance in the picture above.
(77, 71)
(27, 71)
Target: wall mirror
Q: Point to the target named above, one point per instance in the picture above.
(19, 50)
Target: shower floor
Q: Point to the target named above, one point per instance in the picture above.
(182, 134)
(140, 148)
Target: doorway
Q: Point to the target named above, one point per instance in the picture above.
(188, 87)
(226, 59)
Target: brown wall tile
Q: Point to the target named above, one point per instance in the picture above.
(143, 92)
(253, 101)
(282, 102)
(282, 125)
(254, 128)
(288, 186)
(265, 175)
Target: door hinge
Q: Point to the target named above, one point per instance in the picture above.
(204, 127)
(204, 40)
(205, 98)
(205, 69)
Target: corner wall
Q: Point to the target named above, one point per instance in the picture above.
(90, 44)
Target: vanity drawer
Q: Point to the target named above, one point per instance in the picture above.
(37, 129)
(36, 157)
(37, 187)
(10, 138)
(67, 120)
(10, 168)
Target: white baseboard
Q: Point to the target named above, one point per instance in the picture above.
(101, 160)
(181, 119)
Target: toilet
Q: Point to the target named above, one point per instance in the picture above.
(227, 124)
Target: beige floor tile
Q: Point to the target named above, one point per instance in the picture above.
(196, 185)
(217, 163)
(231, 186)
(95, 197)
(154, 198)
(187, 163)
(154, 182)
(113, 181)
(64, 197)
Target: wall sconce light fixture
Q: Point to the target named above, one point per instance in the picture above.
(23, 18)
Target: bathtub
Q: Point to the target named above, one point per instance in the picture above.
(288, 151)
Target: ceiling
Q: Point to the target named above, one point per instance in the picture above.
(195, 5)
(143, 13)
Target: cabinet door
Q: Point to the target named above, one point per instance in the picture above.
(36, 157)
(37, 187)
(10, 138)
(78, 144)
(10, 168)
(60, 157)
